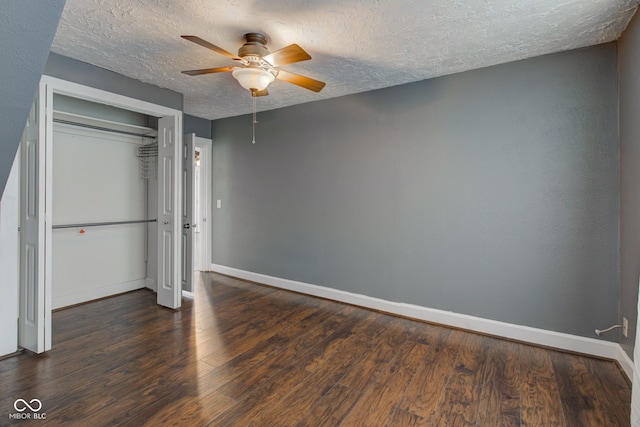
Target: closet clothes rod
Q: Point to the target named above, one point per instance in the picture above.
(84, 125)
(101, 224)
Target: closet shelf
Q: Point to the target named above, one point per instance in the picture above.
(101, 224)
(102, 123)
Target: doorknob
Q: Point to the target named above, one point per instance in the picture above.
(187, 225)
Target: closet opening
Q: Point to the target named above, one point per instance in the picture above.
(100, 203)
(104, 180)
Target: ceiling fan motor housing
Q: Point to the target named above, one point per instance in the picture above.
(255, 46)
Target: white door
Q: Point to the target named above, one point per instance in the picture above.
(197, 210)
(34, 328)
(188, 223)
(169, 217)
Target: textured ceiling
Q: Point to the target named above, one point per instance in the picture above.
(356, 45)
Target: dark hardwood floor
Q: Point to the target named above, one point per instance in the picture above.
(243, 354)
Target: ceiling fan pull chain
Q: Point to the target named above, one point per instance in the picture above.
(253, 95)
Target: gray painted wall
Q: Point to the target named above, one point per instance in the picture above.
(201, 127)
(629, 64)
(27, 28)
(80, 72)
(492, 193)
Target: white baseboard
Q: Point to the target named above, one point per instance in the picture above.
(91, 294)
(625, 362)
(542, 337)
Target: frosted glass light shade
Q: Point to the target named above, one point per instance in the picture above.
(253, 78)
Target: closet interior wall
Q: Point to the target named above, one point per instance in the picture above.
(100, 202)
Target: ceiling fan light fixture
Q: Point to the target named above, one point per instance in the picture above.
(253, 79)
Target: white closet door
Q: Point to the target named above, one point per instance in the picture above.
(169, 217)
(35, 322)
(188, 223)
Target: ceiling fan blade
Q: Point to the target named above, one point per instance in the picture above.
(287, 55)
(302, 81)
(213, 47)
(208, 71)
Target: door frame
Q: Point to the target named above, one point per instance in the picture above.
(49, 86)
(206, 148)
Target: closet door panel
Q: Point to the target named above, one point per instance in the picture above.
(32, 310)
(188, 208)
(169, 287)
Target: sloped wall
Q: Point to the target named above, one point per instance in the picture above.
(27, 28)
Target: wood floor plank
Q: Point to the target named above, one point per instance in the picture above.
(331, 409)
(282, 350)
(327, 371)
(380, 400)
(349, 332)
(182, 409)
(500, 398)
(460, 402)
(241, 354)
(425, 392)
(401, 417)
(125, 399)
(301, 399)
(234, 342)
(579, 397)
(540, 400)
(266, 394)
(299, 351)
(278, 357)
(374, 362)
(612, 390)
(274, 344)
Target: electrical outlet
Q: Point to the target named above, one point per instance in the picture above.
(625, 327)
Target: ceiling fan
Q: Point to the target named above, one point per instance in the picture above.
(257, 66)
